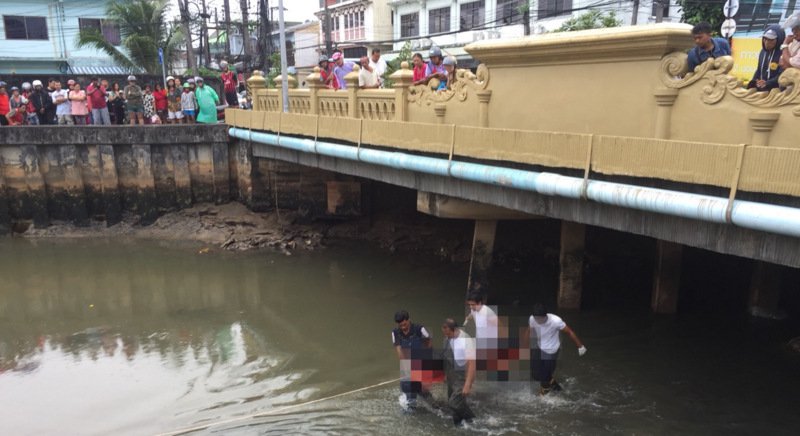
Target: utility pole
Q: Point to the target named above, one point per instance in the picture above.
(245, 32)
(284, 68)
(183, 5)
(635, 13)
(205, 34)
(265, 39)
(328, 40)
(227, 9)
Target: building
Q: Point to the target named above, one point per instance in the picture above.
(39, 37)
(302, 45)
(357, 25)
(452, 24)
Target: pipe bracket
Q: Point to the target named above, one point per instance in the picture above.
(735, 184)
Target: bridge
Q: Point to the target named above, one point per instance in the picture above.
(602, 128)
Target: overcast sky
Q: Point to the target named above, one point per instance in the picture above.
(296, 10)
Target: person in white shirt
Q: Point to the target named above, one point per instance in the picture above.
(545, 328)
(63, 105)
(459, 369)
(378, 65)
(486, 336)
(366, 77)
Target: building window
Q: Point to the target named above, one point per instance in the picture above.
(472, 15)
(409, 25)
(354, 26)
(18, 27)
(109, 29)
(552, 8)
(665, 7)
(354, 52)
(439, 20)
(510, 11)
(335, 26)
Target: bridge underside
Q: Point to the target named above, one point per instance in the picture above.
(726, 239)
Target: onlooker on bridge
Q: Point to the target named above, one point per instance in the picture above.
(188, 103)
(449, 64)
(134, 100)
(207, 101)
(63, 106)
(97, 98)
(790, 49)
(5, 104)
(78, 107)
(341, 69)
(160, 97)
(545, 328)
(229, 85)
(367, 78)
(769, 69)
(419, 69)
(326, 73)
(378, 65)
(706, 46)
(435, 73)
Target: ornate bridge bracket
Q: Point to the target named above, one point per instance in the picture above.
(464, 81)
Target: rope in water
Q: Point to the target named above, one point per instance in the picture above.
(275, 411)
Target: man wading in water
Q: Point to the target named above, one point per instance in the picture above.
(545, 327)
(413, 344)
(459, 369)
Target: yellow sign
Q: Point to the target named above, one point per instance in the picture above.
(745, 57)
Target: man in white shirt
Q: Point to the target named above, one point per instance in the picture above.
(367, 78)
(63, 105)
(545, 328)
(459, 369)
(790, 49)
(486, 337)
(378, 65)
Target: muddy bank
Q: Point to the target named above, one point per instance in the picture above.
(233, 227)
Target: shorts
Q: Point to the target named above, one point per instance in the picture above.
(189, 112)
(543, 365)
(175, 115)
(135, 108)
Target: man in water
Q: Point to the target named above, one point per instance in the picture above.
(408, 339)
(459, 369)
(545, 327)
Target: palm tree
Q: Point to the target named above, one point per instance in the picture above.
(143, 29)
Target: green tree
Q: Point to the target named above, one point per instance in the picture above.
(403, 56)
(143, 29)
(592, 19)
(695, 11)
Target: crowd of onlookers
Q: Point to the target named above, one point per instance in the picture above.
(101, 103)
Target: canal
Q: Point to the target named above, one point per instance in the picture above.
(124, 337)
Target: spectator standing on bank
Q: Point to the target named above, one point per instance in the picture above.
(149, 104)
(18, 105)
(134, 100)
(188, 103)
(31, 118)
(79, 109)
(117, 104)
(97, 98)
(174, 111)
(378, 65)
(229, 85)
(5, 104)
(207, 101)
(160, 96)
(63, 105)
(41, 101)
(50, 111)
(706, 46)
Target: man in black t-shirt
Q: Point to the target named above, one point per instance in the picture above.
(412, 342)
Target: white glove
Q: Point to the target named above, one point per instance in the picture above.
(581, 350)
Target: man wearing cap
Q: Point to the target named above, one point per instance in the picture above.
(435, 72)
(769, 69)
(97, 98)
(459, 369)
(367, 79)
(229, 85)
(341, 69)
(545, 328)
(134, 101)
(5, 105)
(207, 101)
(409, 341)
(63, 106)
(41, 102)
(706, 47)
(790, 49)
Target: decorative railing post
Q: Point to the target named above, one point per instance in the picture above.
(483, 107)
(352, 92)
(403, 79)
(665, 98)
(278, 84)
(314, 83)
(439, 109)
(762, 124)
(257, 85)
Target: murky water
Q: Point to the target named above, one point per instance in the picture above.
(111, 337)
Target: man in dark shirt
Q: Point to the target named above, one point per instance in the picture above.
(706, 46)
(412, 342)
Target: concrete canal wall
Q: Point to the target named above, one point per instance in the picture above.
(88, 173)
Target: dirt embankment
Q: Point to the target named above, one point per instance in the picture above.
(235, 228)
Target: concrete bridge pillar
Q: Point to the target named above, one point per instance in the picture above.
(5, 217)
(314, 83)
(255, 85)
(352, 92)
(765, 289)
(762, 124)
(483, 108)
(665, 99)
(482, 251)
(570, 280)
(666, 277)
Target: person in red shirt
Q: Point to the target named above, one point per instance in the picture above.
(419, 69)
(16, 115)
(5, 106)
(160, 96)
(96, 94)
(229, 85)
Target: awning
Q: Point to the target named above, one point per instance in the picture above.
(100, 71)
